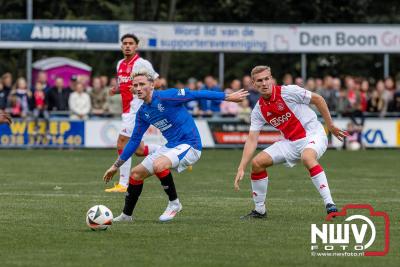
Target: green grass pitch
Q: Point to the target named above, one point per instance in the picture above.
(42, 226)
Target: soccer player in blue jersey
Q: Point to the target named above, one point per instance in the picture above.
(166, 111)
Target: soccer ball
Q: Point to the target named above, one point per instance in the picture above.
(354, 146)
(99, 217)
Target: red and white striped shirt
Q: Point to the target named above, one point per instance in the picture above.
(288, 111)
(124, 70)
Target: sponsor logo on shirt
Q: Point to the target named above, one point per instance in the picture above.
(124, 79)
(275, 122)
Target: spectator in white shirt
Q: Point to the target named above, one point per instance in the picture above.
(79, 103)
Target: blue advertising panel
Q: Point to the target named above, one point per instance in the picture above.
(57, 133)
(59, 32)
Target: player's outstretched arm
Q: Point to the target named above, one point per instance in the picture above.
(185, 95)
(237, 96)
(322, 107)
(5, 118)
(248, 151)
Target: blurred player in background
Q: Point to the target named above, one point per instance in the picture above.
(166, 111)
(130, 104)
(286, 108)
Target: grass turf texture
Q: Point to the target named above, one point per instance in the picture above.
(41, 226)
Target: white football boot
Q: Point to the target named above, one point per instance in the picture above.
(170, 212)
(123, 218)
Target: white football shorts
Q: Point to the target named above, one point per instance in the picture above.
(181, 156)
(289, 152)
(129, 119)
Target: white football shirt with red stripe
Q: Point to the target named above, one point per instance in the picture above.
(288, 111)
(124, 70)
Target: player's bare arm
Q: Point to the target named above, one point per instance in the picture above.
(322, 107)
(109, 174)
(238, 96)
(5, 118)
(248, 151)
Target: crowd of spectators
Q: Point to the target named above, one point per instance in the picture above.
(347, 96)
(78, 101)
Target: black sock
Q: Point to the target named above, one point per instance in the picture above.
(132, 197)
(169, 187)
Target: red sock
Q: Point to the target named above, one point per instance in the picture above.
(146, 151)
(162, 174)
(132, 181)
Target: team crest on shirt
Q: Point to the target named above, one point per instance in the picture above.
(160, 107)
(280, 106)
(181, 92)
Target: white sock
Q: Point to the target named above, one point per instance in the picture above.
(175, 202)
(259, 185)
(124, 172)
(152, 148)
(320, 182)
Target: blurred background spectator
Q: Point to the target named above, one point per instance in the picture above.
(20, 99)
(98, 97)
(57, 97)
(209, 107)
(348, 96)
(79, 103)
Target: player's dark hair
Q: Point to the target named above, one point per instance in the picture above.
(130, 35)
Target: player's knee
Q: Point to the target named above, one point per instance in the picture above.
(136, 175)
(139, 152)
(159, 166)
(308, 160)
(257, 165)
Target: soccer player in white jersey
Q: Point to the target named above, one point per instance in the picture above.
(130, 104)
(286, 108)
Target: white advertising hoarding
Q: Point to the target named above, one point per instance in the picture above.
(376, 133)
(104, 134)
(333, 38)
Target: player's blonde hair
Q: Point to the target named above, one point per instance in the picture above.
(258, 69)
(143, 72)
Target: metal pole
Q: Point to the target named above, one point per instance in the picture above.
(386, 67)
(304, 67)
(29, 6)
(221, 65)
